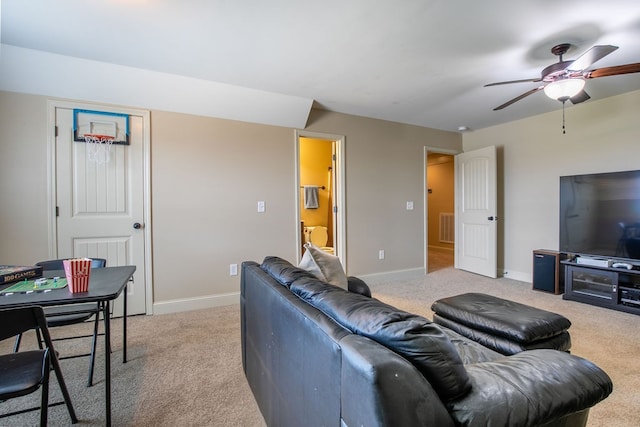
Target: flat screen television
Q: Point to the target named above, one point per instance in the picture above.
(600, 215)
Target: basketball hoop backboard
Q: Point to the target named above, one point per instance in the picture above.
(113, 126)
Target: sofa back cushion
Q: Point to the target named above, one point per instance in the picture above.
(415, 338)
(282, 270)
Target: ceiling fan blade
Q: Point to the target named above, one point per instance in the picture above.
(594, 54)
(613, 71)
(518, 98)
(580, 97)
(537, 79)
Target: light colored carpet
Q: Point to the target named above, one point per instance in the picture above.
(606, 337)
(185, 369)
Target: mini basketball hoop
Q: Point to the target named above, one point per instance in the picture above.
(98, 147)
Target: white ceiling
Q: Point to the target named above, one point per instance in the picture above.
(421, 62)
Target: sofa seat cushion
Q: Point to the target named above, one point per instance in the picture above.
(415, 338)
(531, 388)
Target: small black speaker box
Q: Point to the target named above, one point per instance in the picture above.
(547, 274)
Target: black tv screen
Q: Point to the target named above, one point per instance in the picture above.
(600, 214)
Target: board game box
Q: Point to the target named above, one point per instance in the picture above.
(38, 285)
(15, 273)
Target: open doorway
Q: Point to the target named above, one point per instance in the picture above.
(320, 193)
(440, 210)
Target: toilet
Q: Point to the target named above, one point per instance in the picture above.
(318, 236)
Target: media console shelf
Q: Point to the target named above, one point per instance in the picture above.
(614, 288)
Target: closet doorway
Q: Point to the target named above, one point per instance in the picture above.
(439, 210)
(320, 193)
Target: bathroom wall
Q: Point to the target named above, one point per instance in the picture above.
(315, 161)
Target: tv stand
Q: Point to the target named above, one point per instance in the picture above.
(609, 287)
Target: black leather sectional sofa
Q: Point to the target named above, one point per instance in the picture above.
(317, 355)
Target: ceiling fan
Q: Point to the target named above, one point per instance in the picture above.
(565, 80)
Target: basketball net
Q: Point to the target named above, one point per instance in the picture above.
(98, 148)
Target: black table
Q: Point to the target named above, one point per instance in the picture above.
(105, 285)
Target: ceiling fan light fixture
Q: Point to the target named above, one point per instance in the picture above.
(564, 89)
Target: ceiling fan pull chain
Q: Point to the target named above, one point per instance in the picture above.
(563, 129)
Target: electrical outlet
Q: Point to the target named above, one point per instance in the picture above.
(233, 269)
(261, 206)
(381, 254)
(410, 206)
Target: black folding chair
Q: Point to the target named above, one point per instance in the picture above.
(65, 315)
(24, 372)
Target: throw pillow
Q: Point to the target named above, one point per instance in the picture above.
(324, 266)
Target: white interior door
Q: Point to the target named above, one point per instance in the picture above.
(476, 209)
(99, 204)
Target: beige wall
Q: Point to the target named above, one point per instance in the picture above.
(207, 176)
(602, 135)
(384, 170)
(23, 179)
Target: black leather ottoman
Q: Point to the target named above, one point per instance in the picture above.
(505, 326)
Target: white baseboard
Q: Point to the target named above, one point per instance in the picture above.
(419, 272)
(392, 275)
(189, 304)
(516, 275)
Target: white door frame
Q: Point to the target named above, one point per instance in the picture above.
(51, 190)
(437, 150)
(340, 244)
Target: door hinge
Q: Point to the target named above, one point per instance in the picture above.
(55, 131)
(335, 209)
(333, 157)
(57, 211)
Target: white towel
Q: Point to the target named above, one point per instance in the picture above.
(311, 197)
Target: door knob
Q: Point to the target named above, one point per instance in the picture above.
(137, 225)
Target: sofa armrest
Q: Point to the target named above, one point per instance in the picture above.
(381, 388)
(358, 286)
(534, 387)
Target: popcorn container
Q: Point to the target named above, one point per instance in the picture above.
(77, 272)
